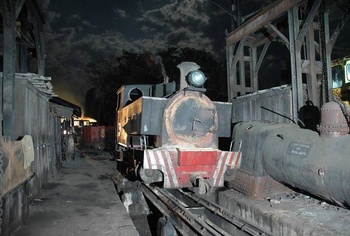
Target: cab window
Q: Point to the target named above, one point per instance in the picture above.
(337, 76)
(347, 72)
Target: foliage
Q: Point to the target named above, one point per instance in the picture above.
(130, 68)
(110, 74)
(107, 76)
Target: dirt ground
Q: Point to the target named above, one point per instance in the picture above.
(80, 200)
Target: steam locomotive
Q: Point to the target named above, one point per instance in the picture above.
(171, 137)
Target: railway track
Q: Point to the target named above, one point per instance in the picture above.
(186, 213)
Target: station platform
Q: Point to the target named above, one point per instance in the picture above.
(80, 200)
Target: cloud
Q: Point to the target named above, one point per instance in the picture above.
(65, 64)
(73, 17)
(52, 16)
(68, 53)
(120, 13)
(44, 4)
(179, 23)
(183, 37)
(176, 13)
(87, 23)
(75, 38)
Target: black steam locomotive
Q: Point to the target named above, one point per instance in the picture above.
(171, 136)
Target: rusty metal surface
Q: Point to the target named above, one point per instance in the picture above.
(190, 119)
(99, 137)
(196, 215)
(125, 93)
(333, 121)
(180, 165)
(288, 214)
(18, 157)
(255, 187)
(258, 21)
(296, 157)
(224, 110)
(251, 136)
(34, 117)
(274, 105)
(142, 117)
(187, 118)
(304, 160)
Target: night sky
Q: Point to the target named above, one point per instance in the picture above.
(79, 32)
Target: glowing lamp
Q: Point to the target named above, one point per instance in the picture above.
(196, 78)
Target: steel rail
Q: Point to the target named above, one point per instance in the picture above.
(174, 212)
(189, 213)
(228, 216)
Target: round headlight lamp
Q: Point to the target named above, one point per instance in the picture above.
(196, 78)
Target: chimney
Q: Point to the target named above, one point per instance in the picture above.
(185, 68)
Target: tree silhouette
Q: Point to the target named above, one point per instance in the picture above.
(109, 75)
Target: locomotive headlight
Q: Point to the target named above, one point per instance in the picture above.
(196, 78)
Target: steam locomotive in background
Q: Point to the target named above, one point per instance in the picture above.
(171, 136)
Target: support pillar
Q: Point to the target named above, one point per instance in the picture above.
(8, 80)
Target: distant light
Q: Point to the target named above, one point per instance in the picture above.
(86, 118)
(91, 120)
(196, 78)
